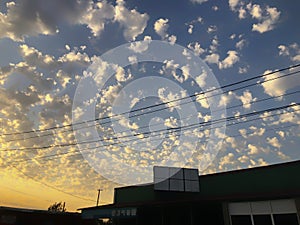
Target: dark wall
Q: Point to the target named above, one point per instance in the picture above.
(271, 181)
(180, 214)
(15, 217)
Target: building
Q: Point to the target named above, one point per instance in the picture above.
(267, 195)
(22, 216)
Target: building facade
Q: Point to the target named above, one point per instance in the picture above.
(267, 195)
(22, 216)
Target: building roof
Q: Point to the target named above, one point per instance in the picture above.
(274, 181)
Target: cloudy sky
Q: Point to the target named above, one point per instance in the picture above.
(53, 75)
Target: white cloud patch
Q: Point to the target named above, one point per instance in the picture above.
(198, 1)
(246, 98)
(226, 99)
(253, 149)
(97, 15)
(35, 58)
(266, 17)
(201, 79)
(31, 18)
(280, 86)
(212, 28)
(233, 4)
(283, 50)
(292, 51)
(140, 47)
(121, 76)
(230, 60)
(215, 8)
(172, 39)
(267, 22)
(242, 13)
(240, 44)
(196, 48)
(274, 142)
(161, 26)
(243, 70)
(255, 11)
(134, 23)
(212, 58)
(214, 45)
(190, 29)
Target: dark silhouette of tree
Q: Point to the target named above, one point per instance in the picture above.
(58, 207)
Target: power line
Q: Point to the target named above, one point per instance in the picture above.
(63, 145)
(138, 139)
(171, 101)
(168, 130)
(142, 127)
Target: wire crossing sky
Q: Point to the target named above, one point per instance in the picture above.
(146, 112)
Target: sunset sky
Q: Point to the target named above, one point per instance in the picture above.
(51, 62)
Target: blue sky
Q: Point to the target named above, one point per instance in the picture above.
(47, 49)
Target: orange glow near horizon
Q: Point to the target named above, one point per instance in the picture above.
(25, 193)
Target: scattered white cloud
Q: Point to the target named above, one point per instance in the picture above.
(29, 18)
(296, 58)
(172, 39)
(240, 44)
(212, 58)
(161, 26)
(97, 15)
(267, 17)
(212, 28)
(255, 11)
(229, 159)
(134, 23)
(67, 47)
(196, 48)
(283, 50)
(226, 99)
(232, 36)
(253, 149)
(282, 156)
(292, 51)
(140, 47)
(74, 56)
(242, 13)
(274, 142)
(201, 79)
(243, 69)
(279, 86)
(233, 4)
(215, 8)
(267, 21)
(198, 1)
(230, 60)
(35, 58)
(171, 122)
(190, 29)
(281, 133)
(202, 100)
(246, 98)
(121, 76)
(257, 131)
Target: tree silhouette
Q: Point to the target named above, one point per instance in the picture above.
(57, 207)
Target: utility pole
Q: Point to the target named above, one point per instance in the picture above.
(98, 198)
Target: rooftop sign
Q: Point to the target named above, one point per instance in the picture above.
(176, 179)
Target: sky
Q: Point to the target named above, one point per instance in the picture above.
(93, 94)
